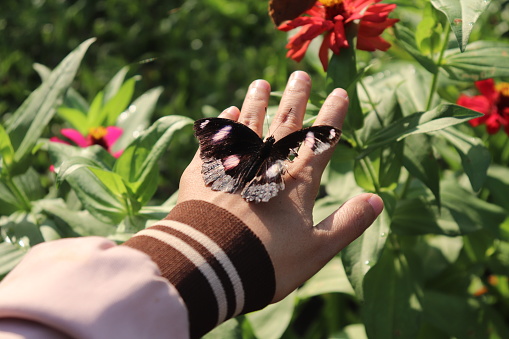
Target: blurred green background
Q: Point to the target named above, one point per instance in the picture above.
(201, 52)
(204, 54)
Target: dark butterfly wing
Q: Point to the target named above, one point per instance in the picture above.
(269, 178)
(229, 152)
(318, 138)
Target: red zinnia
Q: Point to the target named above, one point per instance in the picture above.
(332, 17)
(493, 103)
(102, 136)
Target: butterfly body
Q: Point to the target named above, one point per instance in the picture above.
(236, 158)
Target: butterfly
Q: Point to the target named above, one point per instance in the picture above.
(236, 158)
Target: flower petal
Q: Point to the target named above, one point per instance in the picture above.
(112, 135)
(75, 136)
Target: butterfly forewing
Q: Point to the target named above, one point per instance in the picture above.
(236, 158)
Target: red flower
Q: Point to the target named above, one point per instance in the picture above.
(493, 103)
(332, 17)
(103, 136)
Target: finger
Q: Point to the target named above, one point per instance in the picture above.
(231, 113)
(332, 113)
(346, 224)
(292, 106)
(255, 104)
(334, 109)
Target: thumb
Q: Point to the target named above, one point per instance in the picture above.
(347, 223)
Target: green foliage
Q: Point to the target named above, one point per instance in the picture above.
(434, 264)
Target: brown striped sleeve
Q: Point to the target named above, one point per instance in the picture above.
(219, 266)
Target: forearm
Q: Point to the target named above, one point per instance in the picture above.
(219, 266)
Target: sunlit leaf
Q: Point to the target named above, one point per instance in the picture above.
(10, 256)
(481, 60)
(104, 200)
(29, 121)
(441, 117)
(272, 321)
(407, 40)
(136, 163)
(364, 252)
(136, 118)
(462, 16)
(330, 279)
(6, 150)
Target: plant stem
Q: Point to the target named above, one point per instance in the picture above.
(438, 63)
(23, 202)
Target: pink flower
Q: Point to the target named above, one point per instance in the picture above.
(493, 102)
(331, 18)
(103, 136)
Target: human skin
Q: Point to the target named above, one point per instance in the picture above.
(298, 249)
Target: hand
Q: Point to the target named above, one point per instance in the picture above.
(285, 224)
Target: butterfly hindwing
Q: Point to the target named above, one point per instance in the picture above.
(236, 158)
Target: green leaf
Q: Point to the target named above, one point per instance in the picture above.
(118, 103)
(81, 222)
(136, 118)
(363, 253)
(475, 158)
(94, 116)
(10, 256)
(330, 279)
(498, 185)
(420, 162)
(136, 163)
(482, 60)
(406, 40)
(6, 150)
(461, 213)
(462, 15)
(22, 229)
(101, 198)
(457, 315)
(96, 154)
(29, 120)
(441, 117)
(75, 117)
(231, 329)
(428, 34)
(115, 84)
(272, 321)
(391, 304)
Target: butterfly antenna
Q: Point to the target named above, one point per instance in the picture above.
(280, 123)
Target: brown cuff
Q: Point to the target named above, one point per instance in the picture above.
(219, 266)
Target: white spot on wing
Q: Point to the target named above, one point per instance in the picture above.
(222, 133)
(310, 139)
(204, 123)
(274, 170)
(332, 133)
(231, 162)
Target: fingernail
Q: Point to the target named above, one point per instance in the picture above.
(376, 203)
(259, 85)
(298, 76)
(339, 92)
(227, 112)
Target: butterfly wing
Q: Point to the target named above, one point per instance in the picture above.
(269, 178)
(318, 138)
(229, 151)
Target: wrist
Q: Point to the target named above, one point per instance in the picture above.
(219, 266)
